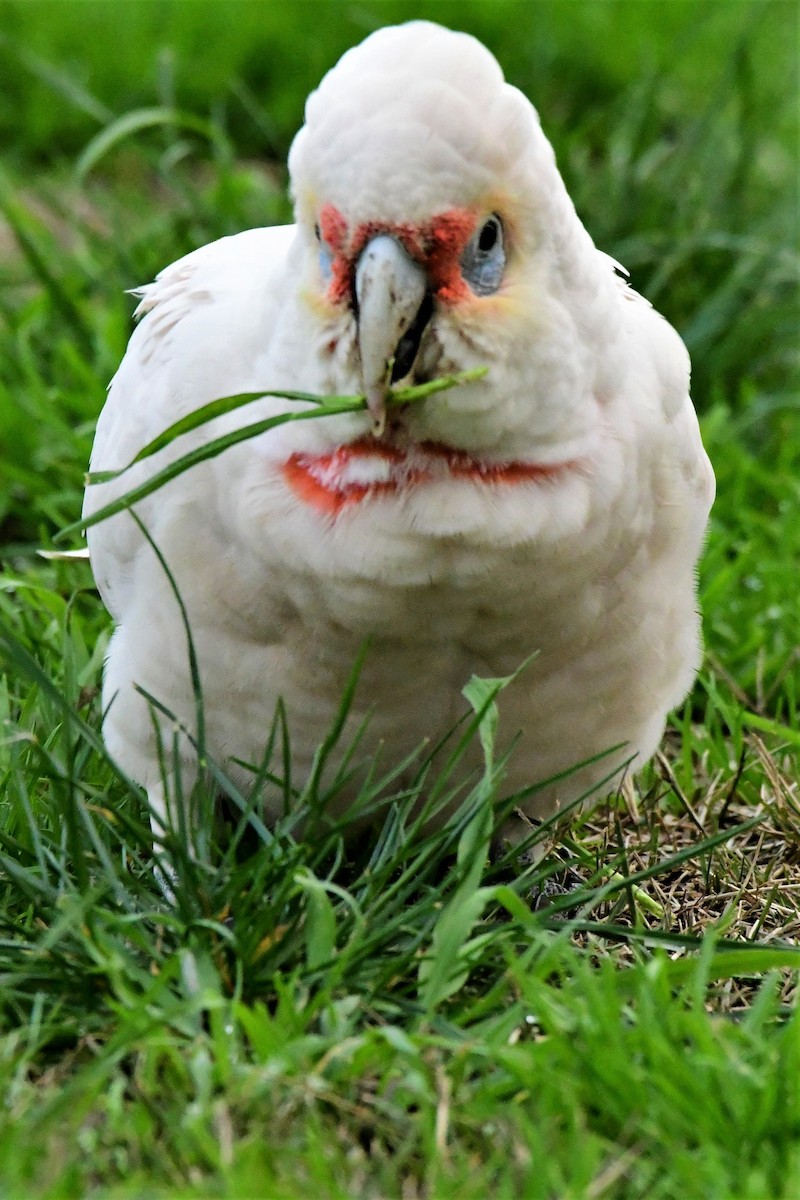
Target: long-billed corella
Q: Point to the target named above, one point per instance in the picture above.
(555, 507)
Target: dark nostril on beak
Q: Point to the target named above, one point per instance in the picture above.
(408, 346)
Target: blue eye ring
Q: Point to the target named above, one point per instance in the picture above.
(325, 257)
(484, 258)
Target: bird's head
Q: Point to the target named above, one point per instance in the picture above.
(435, 235)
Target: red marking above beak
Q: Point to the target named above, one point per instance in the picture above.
(437, 245)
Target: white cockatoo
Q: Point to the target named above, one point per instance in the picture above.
(554, 508)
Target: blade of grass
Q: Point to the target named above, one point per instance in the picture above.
(766, 725)
(134, 122)
(333, 406)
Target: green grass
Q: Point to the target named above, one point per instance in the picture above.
(398, 1018)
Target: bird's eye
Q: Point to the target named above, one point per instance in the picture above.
(484, 258)
(487, 238)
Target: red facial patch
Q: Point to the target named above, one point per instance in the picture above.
(447, 236)
(437, 245)
(333, 230)
(334, 481)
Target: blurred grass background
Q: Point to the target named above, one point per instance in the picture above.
(132, 131)
(108, 56)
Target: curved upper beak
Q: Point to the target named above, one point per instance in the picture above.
(391, 291)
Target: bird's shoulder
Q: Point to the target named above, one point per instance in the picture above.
(231, 268)
(666, 415)
(200, 324)
(204, 327)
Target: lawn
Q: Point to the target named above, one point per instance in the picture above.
(406, 1018)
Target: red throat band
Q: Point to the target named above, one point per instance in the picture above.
(367, 469)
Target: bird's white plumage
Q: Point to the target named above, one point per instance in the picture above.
(449, 562)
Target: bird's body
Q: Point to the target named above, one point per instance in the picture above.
(554, 508)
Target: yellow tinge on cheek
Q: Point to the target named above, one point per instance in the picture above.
(522, 298)
(506, 308)
(318, 301)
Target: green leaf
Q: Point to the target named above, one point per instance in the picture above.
(440, 974)
(320, 925)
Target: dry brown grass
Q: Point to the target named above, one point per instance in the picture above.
(747, 888)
